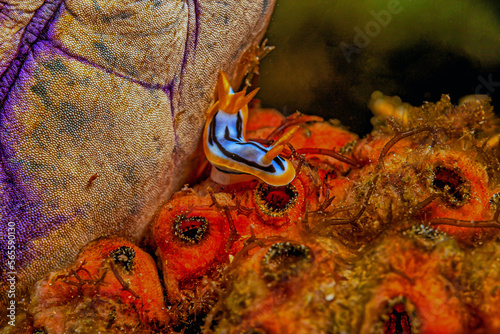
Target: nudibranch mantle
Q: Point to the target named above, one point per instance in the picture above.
(233, 158)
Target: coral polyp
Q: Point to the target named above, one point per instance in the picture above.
(284, 260)
(450, 185)
(124, 257)
(275, 201)
(399, 314)
(190, 230)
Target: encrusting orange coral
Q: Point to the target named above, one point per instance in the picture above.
(192, 237)
(112, 286)
(395, 232)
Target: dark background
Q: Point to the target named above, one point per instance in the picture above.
(427, 49)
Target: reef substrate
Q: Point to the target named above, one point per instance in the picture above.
(396, 232)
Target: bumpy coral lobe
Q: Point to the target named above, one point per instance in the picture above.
(482, 291)
(113, 285)
(420, 280)
(273, 209)
(272, 291)
(185, 258)
(465, 184)
(434, 280)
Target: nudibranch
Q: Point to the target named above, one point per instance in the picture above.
(233, 158)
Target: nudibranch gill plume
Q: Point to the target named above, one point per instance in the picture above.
(234, 159)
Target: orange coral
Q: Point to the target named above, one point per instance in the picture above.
(191, 235)
(275, 290)
(462, 185)
(271, 206)
(415, 286)
(112, 285)
(197, 230)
